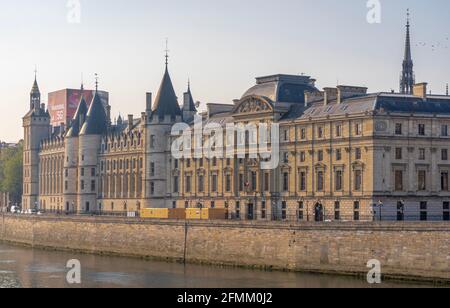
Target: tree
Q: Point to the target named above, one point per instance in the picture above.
(11, 172)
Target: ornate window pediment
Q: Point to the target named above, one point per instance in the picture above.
(253, 105)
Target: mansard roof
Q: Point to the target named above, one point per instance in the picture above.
(166, 102)
(96, 122)
(78, 119)
(282, 88)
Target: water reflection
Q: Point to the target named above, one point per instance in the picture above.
(25, 267)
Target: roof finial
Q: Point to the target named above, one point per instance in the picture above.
(446, 90)
(96, 82)
(82, 83)
(189, 84)
(408, 17)
(167, 52)
(35, 72)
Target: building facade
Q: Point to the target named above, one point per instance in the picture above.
(344, 154)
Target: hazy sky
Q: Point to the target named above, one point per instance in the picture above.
(220, 45)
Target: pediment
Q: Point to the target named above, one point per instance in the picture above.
(253, 104)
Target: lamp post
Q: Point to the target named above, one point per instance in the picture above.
(380, 206)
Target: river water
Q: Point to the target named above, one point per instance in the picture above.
(26, 267)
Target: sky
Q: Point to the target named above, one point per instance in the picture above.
(221, 46)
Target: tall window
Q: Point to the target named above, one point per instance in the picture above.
(398, 180)
(320, 181)
(320, 155)
(93, 186)
(398, 153)
(398, 129)
(358, 129)
(302, 156)
(254, 181)
(285, 181)
(444, 180)
(320, 132)
(266, 181)
(201, 183)
(358, 180)
(339, 130)
(358, 154)
(421, 154)
(444, 154)
(228, 183)
(302, 181)
(175, 184)
(214, 183)
(241, 182)
(303, 133)
(444, 130)
(338, 154)
(188, 184)
(152, 188)
(152, 141)
(338, 180)
(421, 130)
(152, 169)
(422, 184)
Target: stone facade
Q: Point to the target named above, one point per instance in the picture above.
(343, 248)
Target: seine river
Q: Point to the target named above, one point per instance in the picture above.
(26, 267)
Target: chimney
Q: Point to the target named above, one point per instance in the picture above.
(148, 102)
(329, 95)
(130, 122)
(420, 89)
(349, 91)
(311, 96)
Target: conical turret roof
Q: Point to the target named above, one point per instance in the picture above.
(78, 119)
(166, 102)
(96, 122)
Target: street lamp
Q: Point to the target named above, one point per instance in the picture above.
(380, 206)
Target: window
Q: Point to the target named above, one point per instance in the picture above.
(188, 184)
(213, 204)
(238, 209)
(66, 172)
(176, 184)
(302, 156)
(302, 181)
(152, 169)
(286, 135)
(358, 180)
(444, 154)
(444, 130)
(320, 155)
(93, 186)
(66, 185)
(339, 130)
(254, 181)
(423, 211)
(82, 171)
(188, 163)
(266, 181)
(241, 182)
(398, 129)
(398, 180)
(398, 153)
(228, 183)
(358, 129)
(422, 180)
(201, 183)
(82, 185)
(283, 210)
(421, 130)
(320, 132)
(357, 153)
(422, 154)
(200, 162)
(175, 163)
(286, 157)
(228, 162)
(320, 181)
(338, 180)
(285, 181)
(338, 154)
(337, 210)
(444, 180)
(214, 183)
(446, 207)
(214, 162)
(303, 133)
(152, 141)
(152, 188)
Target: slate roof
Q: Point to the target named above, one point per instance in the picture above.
(78, 119)
(166, 102)
(96, 122)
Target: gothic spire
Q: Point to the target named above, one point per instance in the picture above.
(35, 94)
(407, 79)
